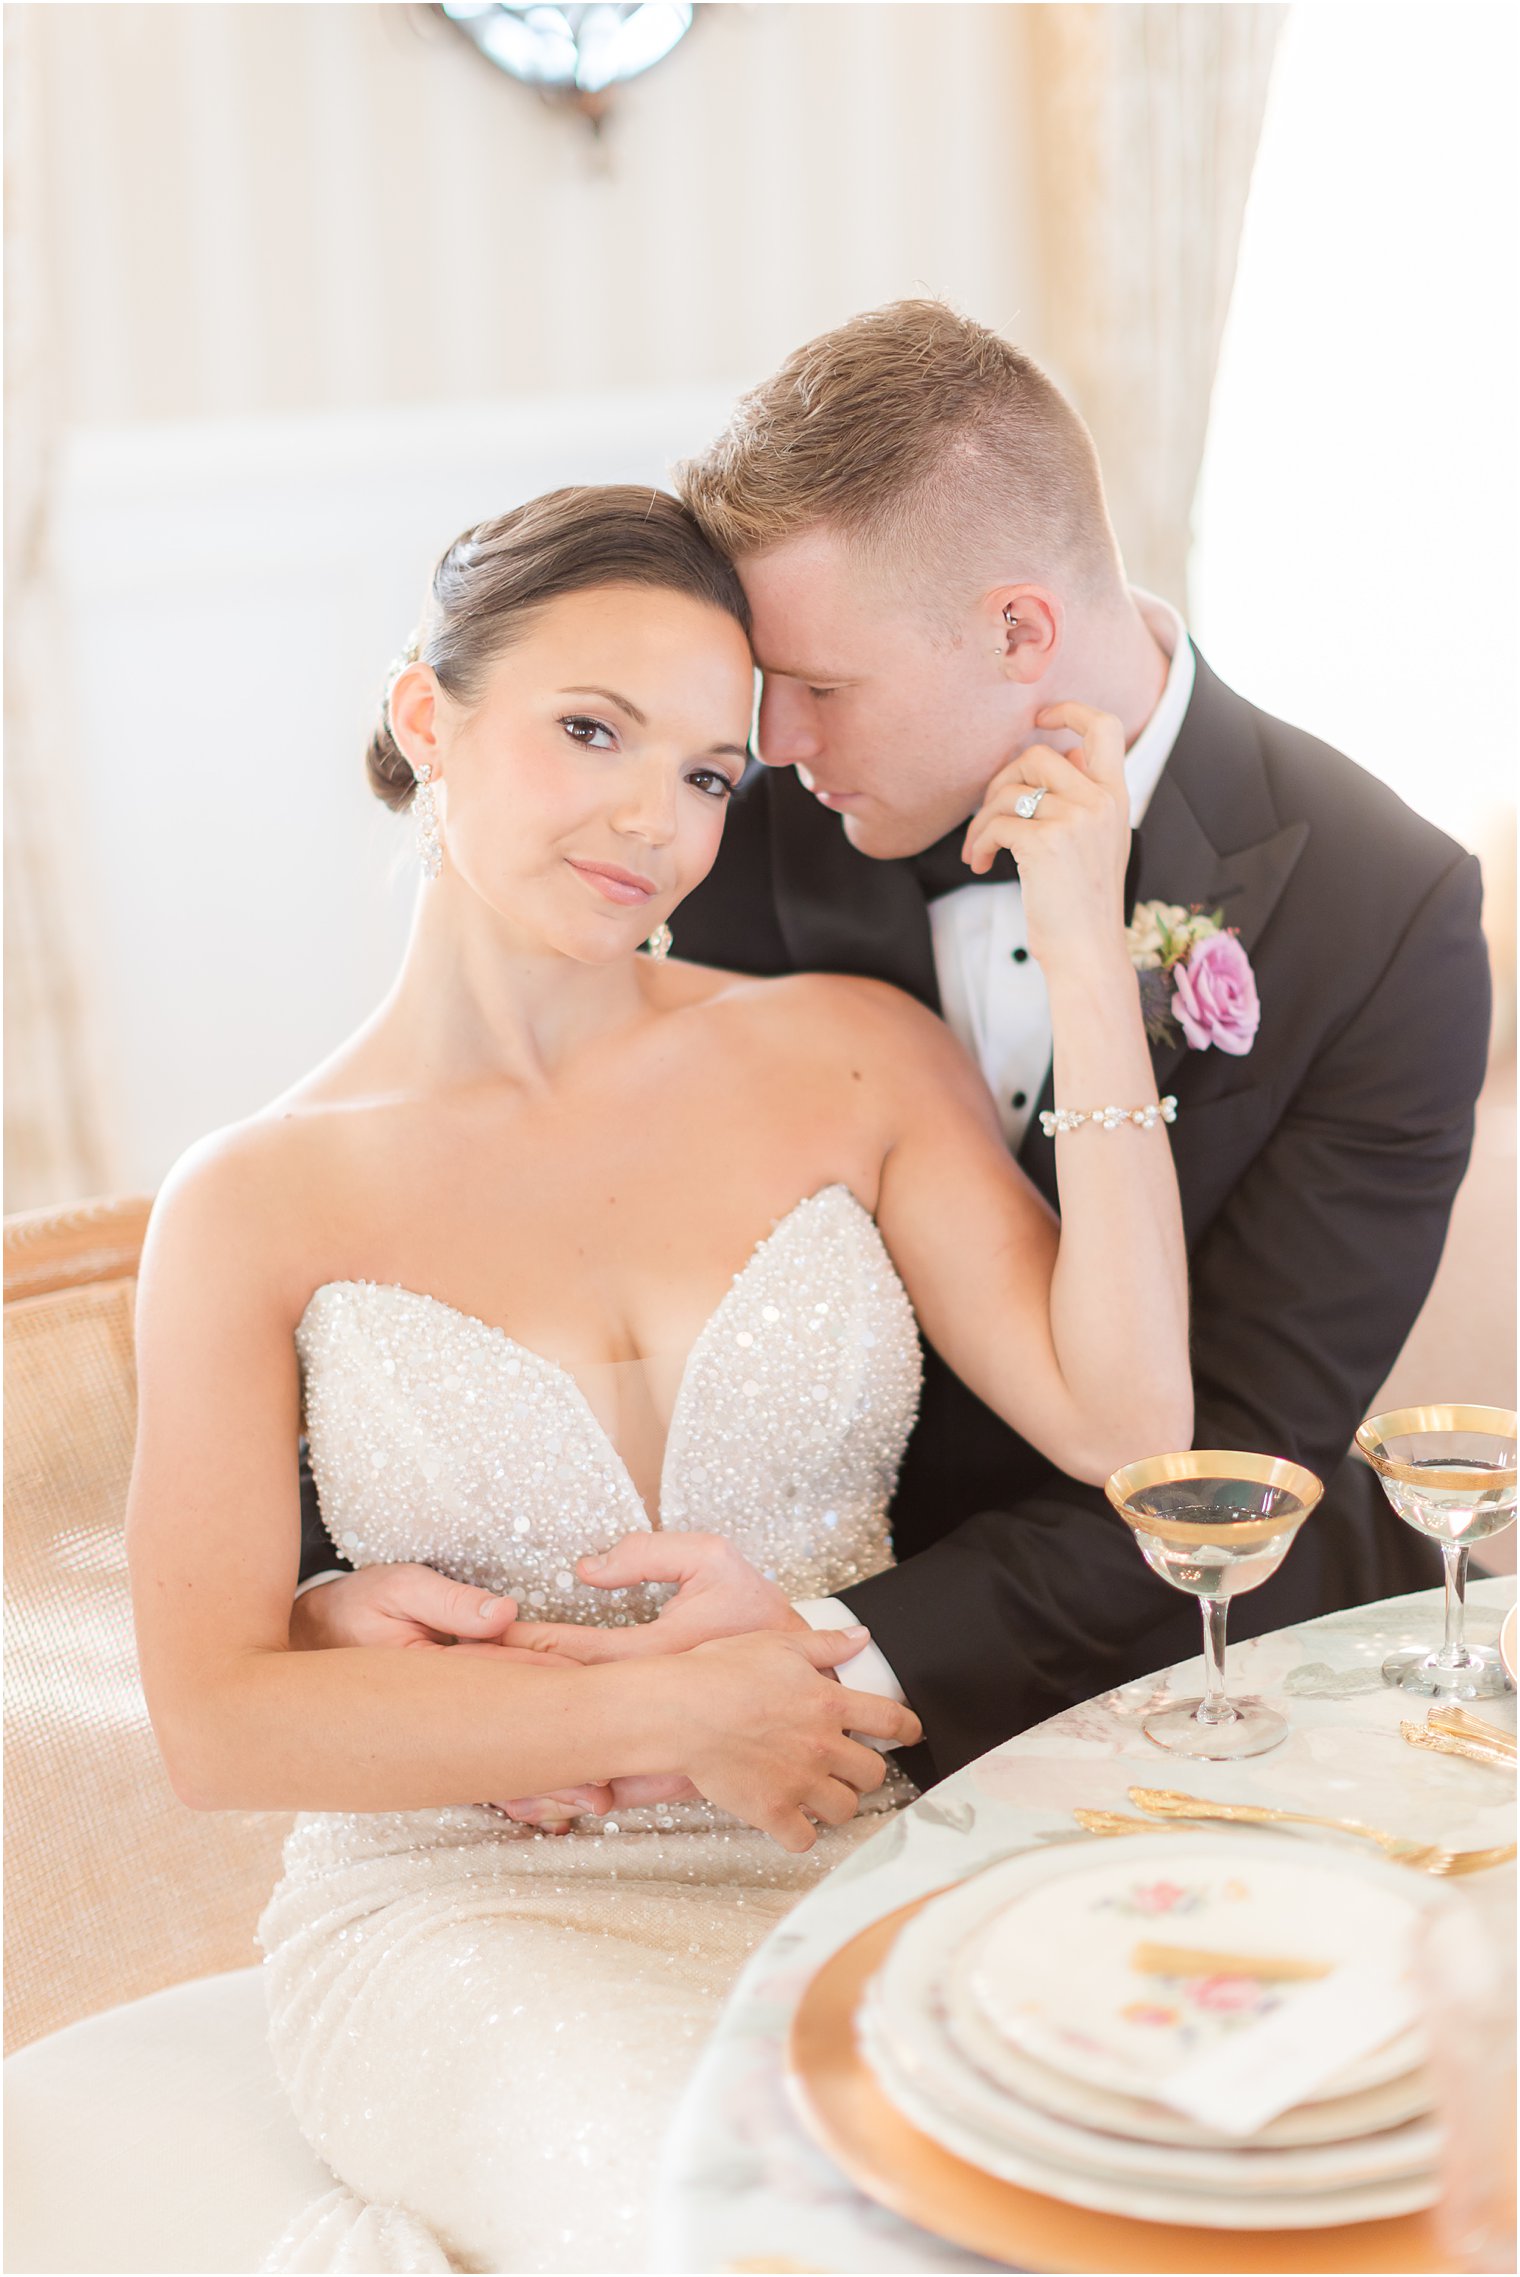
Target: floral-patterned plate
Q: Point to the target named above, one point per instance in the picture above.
(921, 1993)
(1230, 2206)
(1052, 1970)
(963, 2092)
(1331, 2119)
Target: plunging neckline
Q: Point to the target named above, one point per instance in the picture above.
(571, 1382)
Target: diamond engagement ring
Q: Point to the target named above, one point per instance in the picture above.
(1028, 806)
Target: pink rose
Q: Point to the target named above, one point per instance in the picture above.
(1157, 1897)
(1228, 1994)
(1215, 999)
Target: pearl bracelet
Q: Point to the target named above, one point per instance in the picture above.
(1108, 1118)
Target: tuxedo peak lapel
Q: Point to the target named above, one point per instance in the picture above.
(1178, 863)
(839, 910)
(1251, 883)
(1216, 771)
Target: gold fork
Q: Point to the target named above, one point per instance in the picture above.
(1169, 1806)
(1429, 1858)
(1461, 1725)
(1438, 1739)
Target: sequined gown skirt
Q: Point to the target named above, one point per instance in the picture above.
(484, 2030)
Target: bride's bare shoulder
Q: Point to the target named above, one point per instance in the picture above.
(283, 1148)
(244, 1202)
(825, 1008)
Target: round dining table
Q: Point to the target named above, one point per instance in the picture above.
(743, 2188)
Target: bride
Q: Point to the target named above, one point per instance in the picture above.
(568, 1242)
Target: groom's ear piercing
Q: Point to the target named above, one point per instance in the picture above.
(1010, 620)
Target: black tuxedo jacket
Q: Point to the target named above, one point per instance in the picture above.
(1317, 1175)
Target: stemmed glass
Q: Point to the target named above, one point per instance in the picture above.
(1214, 1523)
(1448, 1471)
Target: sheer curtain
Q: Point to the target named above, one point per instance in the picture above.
(54, 1144)
(1148, 118)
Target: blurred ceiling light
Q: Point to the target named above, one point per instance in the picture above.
(575, 53)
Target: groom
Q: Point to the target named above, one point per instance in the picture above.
(918, 518)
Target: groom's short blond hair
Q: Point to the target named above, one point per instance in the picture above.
(941, 453)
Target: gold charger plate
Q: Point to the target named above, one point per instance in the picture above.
(836, 2095)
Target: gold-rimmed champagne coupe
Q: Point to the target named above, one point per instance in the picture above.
(1449, 1471)
(1215, 1522)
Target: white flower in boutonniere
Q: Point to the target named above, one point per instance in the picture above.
(1195, 975)
(1145, 937)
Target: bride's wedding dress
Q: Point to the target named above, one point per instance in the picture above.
(483, 2029)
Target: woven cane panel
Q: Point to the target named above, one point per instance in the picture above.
(112, 1887)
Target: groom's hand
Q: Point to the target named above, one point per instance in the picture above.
(556, 1814)
(762, 1731)
(398, 1605)
(718, 1594)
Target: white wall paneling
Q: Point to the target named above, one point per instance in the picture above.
(272, 208)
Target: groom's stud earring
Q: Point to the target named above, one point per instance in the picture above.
(425, 811)
(1011, 621)
(659, 942)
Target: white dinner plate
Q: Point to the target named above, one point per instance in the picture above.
(922, 1961)
(915, 2040)
(1052, 1970)
(1507, 1643)
(1230, 2210)
(1334, 2119)
(962, 2092)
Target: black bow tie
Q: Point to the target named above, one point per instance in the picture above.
(940, 870)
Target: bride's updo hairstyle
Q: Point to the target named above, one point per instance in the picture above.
(493, 580)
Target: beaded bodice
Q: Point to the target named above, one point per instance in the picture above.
(436, 1438)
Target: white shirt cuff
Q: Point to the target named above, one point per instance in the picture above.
(315, 1580)
(868, 1670)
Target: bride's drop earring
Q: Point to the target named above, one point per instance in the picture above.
(425, 810)
(659, 942)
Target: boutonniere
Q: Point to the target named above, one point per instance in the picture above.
(1195, 975)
